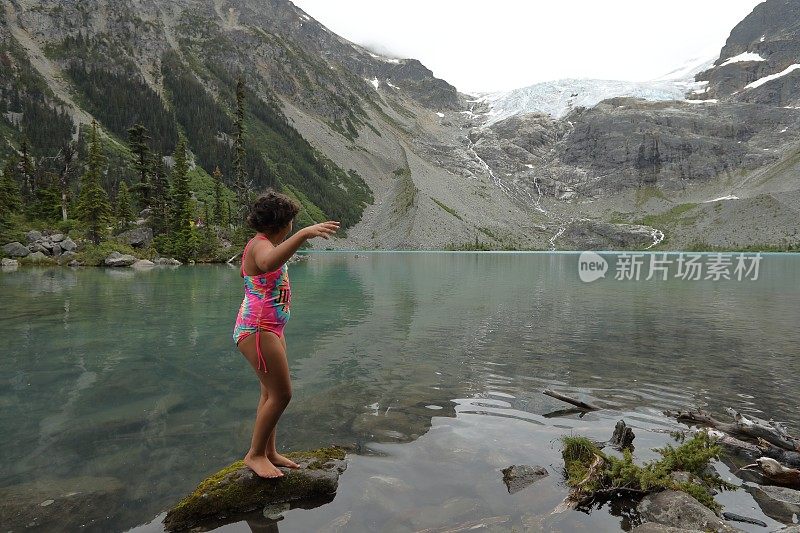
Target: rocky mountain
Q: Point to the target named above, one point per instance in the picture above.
(403, 158)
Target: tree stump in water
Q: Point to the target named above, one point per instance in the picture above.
(236, 490)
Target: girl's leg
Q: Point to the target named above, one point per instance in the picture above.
(277, 384)
(272, 452)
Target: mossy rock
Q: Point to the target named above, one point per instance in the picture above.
(236, 490)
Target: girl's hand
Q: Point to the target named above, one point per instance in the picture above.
(323, 229)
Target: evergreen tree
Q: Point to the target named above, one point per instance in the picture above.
(10, 197)
(93, 205)
(183, 237)
(218, 215)
(124, 211)
(138, 140)
(26, 170)
(208, 240)
(227, 206)
(240, 182)
(159, 209)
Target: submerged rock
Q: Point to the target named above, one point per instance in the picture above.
(9, 264)
(59, 504)
(237, 490)
(143, 263)
(652, 527)
(678, 509)
(116, 259)
(517, 477)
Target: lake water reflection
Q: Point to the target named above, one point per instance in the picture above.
(430, 364)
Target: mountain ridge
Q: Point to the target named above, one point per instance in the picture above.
(411, 162)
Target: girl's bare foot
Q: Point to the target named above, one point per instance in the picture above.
(262, 466)
(279, 460)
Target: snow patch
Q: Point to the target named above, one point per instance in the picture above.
(746, 56)
(767, 79)
(375, 82)
(440, 114)
(722, 199)
(305, 17)
(762, 38)
(386, 59)
(709, 101)
(390, 84)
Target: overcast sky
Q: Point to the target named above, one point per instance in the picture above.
(492, 45)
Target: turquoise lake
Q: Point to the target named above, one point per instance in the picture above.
(126, 385)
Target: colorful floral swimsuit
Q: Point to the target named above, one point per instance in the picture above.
(266, 303)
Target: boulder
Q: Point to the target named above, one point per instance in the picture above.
(779, 503)
(74, 263)
(517, 477)
(68, 245)
(139, 237)
(45, 242)
(9, 264)
(56, 251)
(143, 263)
(33, 235)
(167, 261)
(36, 257)
(116, 259)
(15, 249)
(38, 247)
(57, 237)
(66, 257)
(678, 509)
(236, 490)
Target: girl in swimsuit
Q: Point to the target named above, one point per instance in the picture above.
(263, 314)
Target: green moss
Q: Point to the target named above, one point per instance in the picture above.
(693, 457)
(320, 456)
(234, 489)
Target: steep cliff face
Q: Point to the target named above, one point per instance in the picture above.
(760, 62)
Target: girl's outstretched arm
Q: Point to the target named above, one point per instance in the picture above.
(270, 258)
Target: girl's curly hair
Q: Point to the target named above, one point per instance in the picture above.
(271, 212)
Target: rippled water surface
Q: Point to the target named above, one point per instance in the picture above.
(126, 385)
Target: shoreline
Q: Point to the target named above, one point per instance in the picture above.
(143, 263)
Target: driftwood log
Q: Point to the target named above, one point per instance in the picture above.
(775, 450)
(745, 426)
(775, 472)
(572, 401)
(237, 490)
